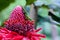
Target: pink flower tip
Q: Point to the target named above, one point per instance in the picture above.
(18, 8)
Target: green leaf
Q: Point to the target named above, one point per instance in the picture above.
(57, 13)
(43, 11)
(4, 14)
(5, 3)
(46, 2)
(20, 2)
(30, 2)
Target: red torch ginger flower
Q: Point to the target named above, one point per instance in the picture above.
(17, 27)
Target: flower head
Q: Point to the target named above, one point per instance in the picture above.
(17, 21)
(19, 28)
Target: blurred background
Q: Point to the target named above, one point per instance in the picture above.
(46, 14)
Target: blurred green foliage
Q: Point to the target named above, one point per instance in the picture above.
(5, 3)
(46, 2)
(29, 2)
(43, 11)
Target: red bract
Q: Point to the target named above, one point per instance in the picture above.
(19, 28)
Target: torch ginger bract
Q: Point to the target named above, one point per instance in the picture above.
(17, 27)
